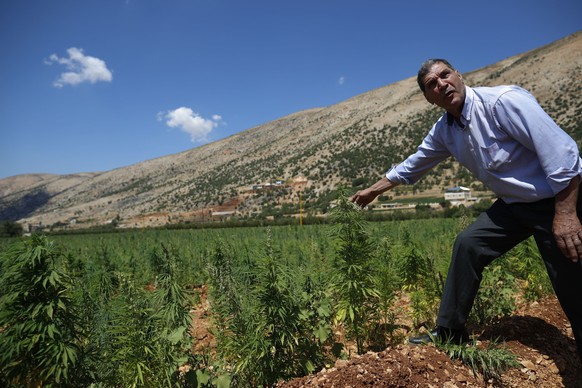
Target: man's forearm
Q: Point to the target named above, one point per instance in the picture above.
(364, 197)
(566, 199)
(382, 186)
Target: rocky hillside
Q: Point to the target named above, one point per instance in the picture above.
(314, 151)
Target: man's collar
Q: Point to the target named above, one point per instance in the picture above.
(466, 111)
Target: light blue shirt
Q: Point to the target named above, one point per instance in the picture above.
(506, 140)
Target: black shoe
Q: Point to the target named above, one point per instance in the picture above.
(442, 335)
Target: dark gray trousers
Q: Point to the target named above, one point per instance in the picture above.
(495, 232)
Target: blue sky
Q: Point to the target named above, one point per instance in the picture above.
(93, 85)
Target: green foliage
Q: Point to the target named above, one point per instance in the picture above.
(490, 361)
(10, 229)
(387, 283)
(122, 336)
(267, 329)
(525, 262)
(142, 336)
(420, 277)
(353, 284)
(170, 298)
(413, 268)
(496, 296)
(40, 340)
(273, 301)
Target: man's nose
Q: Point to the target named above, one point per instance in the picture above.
(441, 83)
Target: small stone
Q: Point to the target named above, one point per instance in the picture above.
(528, 364)
(461, 378)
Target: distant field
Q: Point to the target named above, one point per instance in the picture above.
(295, 242)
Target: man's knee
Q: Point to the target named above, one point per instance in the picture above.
(472, 251)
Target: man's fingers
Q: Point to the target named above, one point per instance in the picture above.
(571, 247)
(571, 250)
(577, 244)
(358, 199)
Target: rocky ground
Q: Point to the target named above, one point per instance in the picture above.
(539, 334)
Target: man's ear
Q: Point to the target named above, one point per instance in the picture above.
(460, 75)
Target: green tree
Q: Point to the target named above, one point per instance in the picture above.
(10, 229)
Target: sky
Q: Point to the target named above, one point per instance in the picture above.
(94, 85)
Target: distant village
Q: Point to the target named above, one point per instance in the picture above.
(455, 196)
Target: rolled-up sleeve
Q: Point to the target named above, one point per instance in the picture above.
(428, 154)
(518, 113)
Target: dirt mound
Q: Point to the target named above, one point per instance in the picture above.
(539, 334)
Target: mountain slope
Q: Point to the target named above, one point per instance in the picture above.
(358, 138)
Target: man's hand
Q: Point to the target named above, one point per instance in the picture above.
(364, 197)
(568, 234)
(566, 227)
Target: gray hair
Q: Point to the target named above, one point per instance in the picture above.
(425, 68)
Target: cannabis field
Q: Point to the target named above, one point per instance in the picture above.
(115, 309)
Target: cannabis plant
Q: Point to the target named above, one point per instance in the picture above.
(353, 283)
(496, 296)
(39, 340)
(266, 329)
(525, 262)
(491, 360)
(420, 278)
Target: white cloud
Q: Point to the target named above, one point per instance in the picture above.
(342, 80)
(191, 122)
(81, 68)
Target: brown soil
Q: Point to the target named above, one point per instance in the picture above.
(538, 334)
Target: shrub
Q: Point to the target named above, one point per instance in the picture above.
(10, 229)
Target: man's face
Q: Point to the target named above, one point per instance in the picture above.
(445, 87)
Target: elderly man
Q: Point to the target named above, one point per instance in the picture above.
(508, 142)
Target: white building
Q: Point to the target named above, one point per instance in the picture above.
(458, 193)
(459, 196)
